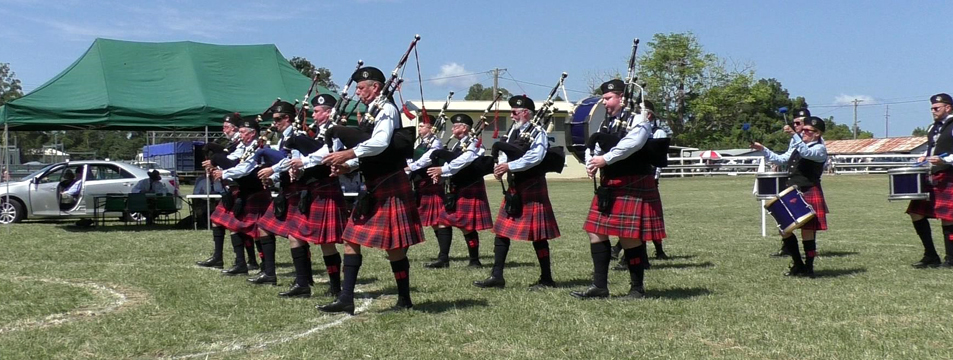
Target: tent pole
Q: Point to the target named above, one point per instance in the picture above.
(6, 165)
(208, 187)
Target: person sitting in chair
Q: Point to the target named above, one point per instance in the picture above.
(151, 185)
(70, 189)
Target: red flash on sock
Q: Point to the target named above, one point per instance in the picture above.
(542, 253)
(473, 243)
(333, 269)
(635, 261)
(400, 275)
(811, 253)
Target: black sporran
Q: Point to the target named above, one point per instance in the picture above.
(604, 199)
(450, 201)
(238, 208)
(304, 202)
(227, 199)
(363, 205)
(513, 204)
(281, 206)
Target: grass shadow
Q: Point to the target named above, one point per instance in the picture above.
(677, 293)
(574, 283)
(837, 253)
(441, 306)
(706, 264)
(831, 273)
(674, 257)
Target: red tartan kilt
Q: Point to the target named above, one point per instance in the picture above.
(814, 196)
(636, 210)
(473, 209)
(255, 205)
(326, 217)
(942, 195)
(268, 222)
(393, 222)
(430, 207)
(537, 223)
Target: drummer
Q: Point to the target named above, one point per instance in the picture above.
(806, 163)
(800, 115)
(940, 204)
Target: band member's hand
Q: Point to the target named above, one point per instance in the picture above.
(265, 173)
(591, 171)
(207, 164)
(296, 163)
(406, 169)
(935, 160)
(340, 169)
(757, 146)
(435, 173)
(788, 130)
(921, 159)
(501, 170)
(216, 174)
(596, 162)
(339, 157)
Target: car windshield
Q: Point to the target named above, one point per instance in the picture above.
(35, 173)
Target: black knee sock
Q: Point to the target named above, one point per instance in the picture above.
(444, 237)
(601, 256)
(473, 245)
(302, 263)
(238, 244)
(658, 246)
(790, 243)
(922, 227)
(635, 258)
(218, 239)
(401, 269)
(333, 265)
(501, 246)
(810, 252)
(261, 252)
(542, 254)
(352, 265)
(250, 249)
(268, 254)
(948, 242)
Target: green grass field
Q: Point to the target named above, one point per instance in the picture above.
(127, 292)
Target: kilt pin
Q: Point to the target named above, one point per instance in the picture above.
(636, 211)
(537, 222)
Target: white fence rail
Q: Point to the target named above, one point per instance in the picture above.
(748, 165)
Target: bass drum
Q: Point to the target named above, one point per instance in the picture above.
(587, 117)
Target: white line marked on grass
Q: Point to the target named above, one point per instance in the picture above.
(117, 298)
(363, 306)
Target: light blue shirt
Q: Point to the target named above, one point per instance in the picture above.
(237, 153)
(471, 153)
(425, 161)
(533, 156)
(385, 123)
(631, 143)
(815, 151)
(285, 163)
(75, 189)
(243, 168)
(200, 184)
(150, 187)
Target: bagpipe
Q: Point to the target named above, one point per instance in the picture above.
(440, 122)
(335, 117)
(301, 115)
(555, 158)
(390, 86)
(483, 165)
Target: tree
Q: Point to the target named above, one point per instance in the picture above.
(837, 131)
(919, 131)
(676, 70)
(10, 87)
(308, 69)
(478, 92)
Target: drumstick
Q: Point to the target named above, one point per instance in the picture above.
(924, 161)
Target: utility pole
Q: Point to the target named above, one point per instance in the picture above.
(496, 80)
(887, 121)
(856, 129)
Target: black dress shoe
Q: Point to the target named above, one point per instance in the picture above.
(635, 293)
(592, 292)
(263, 278)
(491, 282)
(297, 291)
(236, 270)
(542, 285)
(403, 304)
(439, 264)
(947, 264)
(211, 262)
(927, 262)
(475, 263)
(338, 306)
(661, 255)
(795, 271)
(253, 265)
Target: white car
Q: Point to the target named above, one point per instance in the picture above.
(38, 195)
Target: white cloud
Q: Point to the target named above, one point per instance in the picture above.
(454, 74)
(844, 99)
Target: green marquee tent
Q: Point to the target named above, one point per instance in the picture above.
(124, 85)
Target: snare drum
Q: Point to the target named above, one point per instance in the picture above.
(909, 183)
(790, 210)
(587, 117)
(769, 184)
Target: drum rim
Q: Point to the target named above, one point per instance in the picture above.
(797, 224)
(909, 170)
(787, 190)
(771, 175)
(917, 196)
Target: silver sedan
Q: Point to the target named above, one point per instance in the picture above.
(43, 194)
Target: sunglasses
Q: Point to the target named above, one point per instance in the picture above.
(798, 123)
(812, 131)
(936, 108)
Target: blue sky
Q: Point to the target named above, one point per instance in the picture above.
(886, 53)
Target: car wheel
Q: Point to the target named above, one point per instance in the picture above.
(11, 211)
